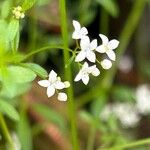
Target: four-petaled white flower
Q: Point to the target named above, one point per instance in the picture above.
(18, 12)
(79, 32)
(85, 71)
(87, 50)
(106, 64)
(53, 83)
(108, 47)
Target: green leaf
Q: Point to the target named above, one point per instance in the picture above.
(110, 6)
(37, 69)
(123, 93)
(5, 9)
(12, 30)
(24, 132)
(27, 4)
(86, 116)
(3, 37)
(97, 105)
(20, 74)
(51, 115)
(8, 110)
(15, 42)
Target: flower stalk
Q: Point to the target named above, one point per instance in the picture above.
(68, 75)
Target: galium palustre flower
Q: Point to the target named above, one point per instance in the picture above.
(53, 84)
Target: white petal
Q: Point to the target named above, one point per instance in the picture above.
(113, 44)
(52, 76)
(104, 39)
(93, 44)
(84, 43)
(78, 76)
(80, 56)
(101, 49)
(94, 70)
(76, 25)
(85, 79)
(111, 54)
(76, 35)
(83, 31)
(67, 84)
(90, 55)
(106, 64)
(44, 83)
(62, 96)
(50, 91)
(59, 85)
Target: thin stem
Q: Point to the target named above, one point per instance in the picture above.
(68, 76)
(45, 49)
(131, 145)
(125, 37)
(6, 132)
(91, 138)
(104, 22)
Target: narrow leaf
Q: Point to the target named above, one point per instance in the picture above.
(27, 4)
(110, 6)
(12, 30)
(24, 132)
(37, 69)
(51, 115)
(8, 110)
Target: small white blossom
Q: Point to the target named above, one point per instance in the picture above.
(127, 114)
(18, 12)
(106, 112)
(143, 99)
(125, 64)
(16, 141)
(106, 64)
(67, 84)
(79, 32)
(85, 71)
(62, 96)
(53, 83)
(87, 50)
(108, 47)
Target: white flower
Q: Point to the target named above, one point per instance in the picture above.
(18, 13)
(62, 96)
(107, 47)
(106, 112)
(125, 64)
(106, 64)
(52, 84)
(87, 50)
(85, 71)
(143, 99)
(16, 141)
(127, 114)
(79, 32)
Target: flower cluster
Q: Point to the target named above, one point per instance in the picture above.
(88, 51)
(129, 114)
(126, 113)
(18, 12)
(53, 84)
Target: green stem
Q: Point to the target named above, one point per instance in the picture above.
(131, 145)
(105, 84)
(68, 75)
(104, 22)
(91, 138)
(45, 49)
(6, 132)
